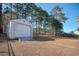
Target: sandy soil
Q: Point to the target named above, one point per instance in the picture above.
(57, 47)
(3, 48)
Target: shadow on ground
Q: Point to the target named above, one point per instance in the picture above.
(38, 38)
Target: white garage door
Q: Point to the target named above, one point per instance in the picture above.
(22, 30)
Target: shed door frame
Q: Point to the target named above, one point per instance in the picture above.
(16, 23)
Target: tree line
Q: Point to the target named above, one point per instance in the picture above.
(41, 19)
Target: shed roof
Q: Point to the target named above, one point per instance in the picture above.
(23, 21)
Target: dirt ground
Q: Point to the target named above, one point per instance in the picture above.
(40, 47)
(3, 48)
(57, 47)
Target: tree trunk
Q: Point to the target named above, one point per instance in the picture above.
(36, 26)
(54, 31)
(17, 12)
(39, 28)
(22, 10)
(11, 10)
(1, 18)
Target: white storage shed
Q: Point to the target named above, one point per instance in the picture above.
(20, 28)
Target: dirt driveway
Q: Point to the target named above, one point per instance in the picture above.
(3, 48)
(58, 47)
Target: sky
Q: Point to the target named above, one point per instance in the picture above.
(71, 11)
